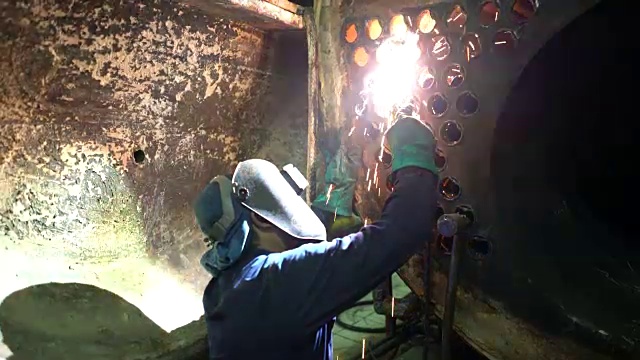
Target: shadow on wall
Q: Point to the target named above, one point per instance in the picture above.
(75, 321)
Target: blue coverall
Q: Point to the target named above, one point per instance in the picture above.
(282, 306)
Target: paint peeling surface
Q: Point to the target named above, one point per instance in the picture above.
(86, 85)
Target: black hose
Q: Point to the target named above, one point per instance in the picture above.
(342, 324)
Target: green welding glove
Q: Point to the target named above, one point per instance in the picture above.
(410, 142)
(334, 204)
(341, 176)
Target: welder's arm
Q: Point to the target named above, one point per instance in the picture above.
(318, 281)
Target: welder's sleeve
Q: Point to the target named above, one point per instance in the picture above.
(313, 283)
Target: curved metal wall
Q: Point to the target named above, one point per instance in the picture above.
(113, 116)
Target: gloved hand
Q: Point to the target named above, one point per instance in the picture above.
(334, 205)
(410, 141)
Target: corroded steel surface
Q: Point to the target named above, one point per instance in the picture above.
(113, 115)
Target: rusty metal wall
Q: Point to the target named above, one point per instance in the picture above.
(113, 115)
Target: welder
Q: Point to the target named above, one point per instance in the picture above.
(277, 283)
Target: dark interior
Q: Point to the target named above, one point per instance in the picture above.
(563, 164)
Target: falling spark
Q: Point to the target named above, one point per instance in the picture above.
(381, 146)
(363, 347)
(352, 130)
(496, 19)
(468, 54)
(500, 42)
(378, 191)
(335, 214)
(457, 16)
(409, 19)
(393, 306)
(365, 131)
(368, 170)
(366, 221)
(329, 193)
(369, 187)
(375, 174)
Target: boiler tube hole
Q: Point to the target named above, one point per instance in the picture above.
(451, 132)
(457, 19)
(466, 211)
(138, 156)
(489, 13)
(397, 26)
(426, 79)
(467, 104)
(440, 47)
(504, 41)
(524, 10)
(426, 23)
(360, 57)
(374, 29)
(472, 46)
(449, 188)
(437, 105)
(479, 247)
(351, 33)
(454, 75)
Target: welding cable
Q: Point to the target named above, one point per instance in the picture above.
(365, 330)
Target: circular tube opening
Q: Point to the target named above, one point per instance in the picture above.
(373, 29)
(449, 188)
(472, 46)
(351, 33)
(467, 104)
(451, 132)
(504, 42)
(467, 211)
(440, 47)
(427, 78)
(426, 23)
(440, 160)
(397, 26)
(437, 105)
(523, 10)
(457, 19)
(489, 13)
(454, 75)
(360, 56)
(479, 247)
(139, 156)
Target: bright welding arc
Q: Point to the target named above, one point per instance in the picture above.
(393, 80)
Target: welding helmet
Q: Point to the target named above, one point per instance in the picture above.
(225, 223)
(223, 210)
(275, 196)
